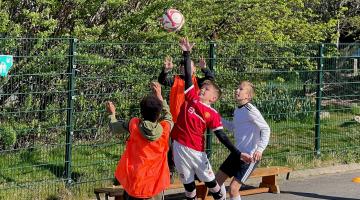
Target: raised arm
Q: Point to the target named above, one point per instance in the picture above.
(208, 74)
(163, 77)
(156, 88)
(186, 47)
(116, 126)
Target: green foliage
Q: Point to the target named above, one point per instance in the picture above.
(7, 136)
(355, 109)
(134, 21)
(278, 102)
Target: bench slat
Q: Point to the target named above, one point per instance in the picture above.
(260, 172)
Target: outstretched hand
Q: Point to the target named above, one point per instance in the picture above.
(110, 108)
(168, 64)
(202, 62)
(156, 88)
(185, 44)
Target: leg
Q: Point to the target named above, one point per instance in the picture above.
(190, 191)
(183, 159)
(205, 173)
(215, 190)
(221, 178)
(171, 163)
(235, 186)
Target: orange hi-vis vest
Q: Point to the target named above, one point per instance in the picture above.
(177, 95)
(143, 170)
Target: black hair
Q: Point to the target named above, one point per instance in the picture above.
(150, 107)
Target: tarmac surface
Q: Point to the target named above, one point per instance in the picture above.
(330, 183)
(338, 186)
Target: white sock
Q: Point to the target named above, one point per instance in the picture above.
(223, 190)
(236, 198)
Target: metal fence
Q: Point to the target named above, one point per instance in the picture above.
(54, 135)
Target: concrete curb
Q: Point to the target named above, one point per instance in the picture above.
(324, 170)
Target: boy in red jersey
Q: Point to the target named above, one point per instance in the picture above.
(195, 116)
(177, 96)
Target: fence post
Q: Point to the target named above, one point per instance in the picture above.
(70, 110)
(212, 57)
(319, 82)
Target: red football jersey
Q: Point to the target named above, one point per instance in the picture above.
(192, 121)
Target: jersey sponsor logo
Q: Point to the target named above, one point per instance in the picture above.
(207, 115)
(191, 110)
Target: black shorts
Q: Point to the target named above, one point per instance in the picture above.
(234, 167)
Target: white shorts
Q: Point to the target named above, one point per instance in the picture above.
(189, 162)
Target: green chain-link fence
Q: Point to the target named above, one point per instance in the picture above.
(53, 127)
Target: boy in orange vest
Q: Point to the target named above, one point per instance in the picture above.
(143, 170)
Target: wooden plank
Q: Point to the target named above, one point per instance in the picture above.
(253, 191)
(111, 191)
(260, 172)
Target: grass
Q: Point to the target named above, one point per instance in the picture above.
(37, 173)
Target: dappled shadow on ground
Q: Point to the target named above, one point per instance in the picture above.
(350, 123)
(317, 196)
(58, 170)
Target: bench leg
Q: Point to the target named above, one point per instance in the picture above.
(270, 182)
(201, 191)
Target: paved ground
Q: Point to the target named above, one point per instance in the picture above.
(329, 187)
(330, 183)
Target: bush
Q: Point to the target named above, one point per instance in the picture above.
(7, 136)
(278, 102)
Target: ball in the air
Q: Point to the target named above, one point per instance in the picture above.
(172, 20)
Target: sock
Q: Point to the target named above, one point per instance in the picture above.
(223, 190)
(236, 198)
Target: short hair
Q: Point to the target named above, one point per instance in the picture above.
(150, 108)
(216, 87)
(251, 88)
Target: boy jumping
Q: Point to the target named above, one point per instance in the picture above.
(188, 134)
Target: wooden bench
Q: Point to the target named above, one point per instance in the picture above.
(268, 184)
(118, 191)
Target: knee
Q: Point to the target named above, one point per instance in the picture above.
(234, 189)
